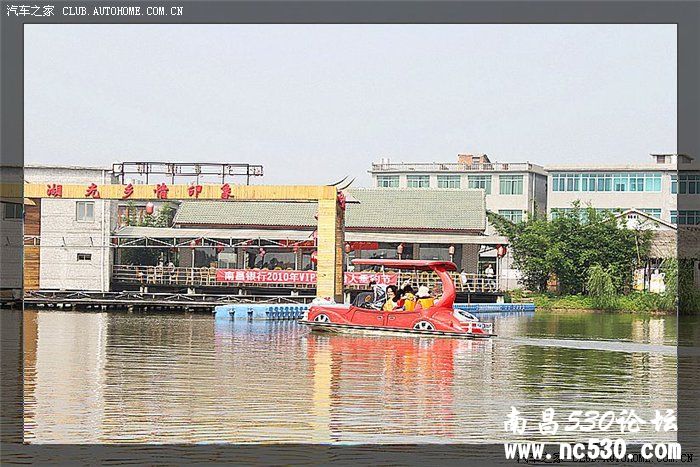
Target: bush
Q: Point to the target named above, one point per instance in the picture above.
(601, 289)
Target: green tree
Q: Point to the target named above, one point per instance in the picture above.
(601, 289)
(568, 245)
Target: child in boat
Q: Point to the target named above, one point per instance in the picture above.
(408, 297)
(424, 298)
(392, 298)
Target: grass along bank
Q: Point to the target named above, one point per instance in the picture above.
(641, 302)
(644, 302)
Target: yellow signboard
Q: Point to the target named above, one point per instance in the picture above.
(331, 219)
(164, 191)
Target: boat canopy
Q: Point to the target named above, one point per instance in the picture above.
(422, 265)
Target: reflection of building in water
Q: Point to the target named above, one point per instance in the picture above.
(64, 386)
(231, 381)
(29, 344)
(652, 331)
(649, 369)
(322, 395)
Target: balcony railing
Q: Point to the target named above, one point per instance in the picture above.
(451, 167)
(206, 277)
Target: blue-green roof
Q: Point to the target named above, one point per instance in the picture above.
(378, 208)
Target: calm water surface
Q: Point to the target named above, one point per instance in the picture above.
(117, 377)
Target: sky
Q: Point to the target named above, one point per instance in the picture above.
(314, 103)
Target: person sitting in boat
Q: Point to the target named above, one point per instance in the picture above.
(392, 298)
(425, 300)
(408, 297)
(378, 295)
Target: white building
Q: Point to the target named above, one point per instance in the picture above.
(650, 188)
(513, 190)
(72, 236)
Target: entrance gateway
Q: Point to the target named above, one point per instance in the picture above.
(331, 211)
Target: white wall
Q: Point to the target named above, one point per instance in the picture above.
(63, 237)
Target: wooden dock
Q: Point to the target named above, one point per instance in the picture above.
(148, 301)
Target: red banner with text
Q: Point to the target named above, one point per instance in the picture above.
(263, 276)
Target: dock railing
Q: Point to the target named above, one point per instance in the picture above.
(206, 277)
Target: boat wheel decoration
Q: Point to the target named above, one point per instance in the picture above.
(424, 326)
(322, 319)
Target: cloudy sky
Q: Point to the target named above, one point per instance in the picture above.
(314, 103)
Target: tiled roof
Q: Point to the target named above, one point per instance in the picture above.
(440, 209)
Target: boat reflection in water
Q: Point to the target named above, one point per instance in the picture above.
(372, 388)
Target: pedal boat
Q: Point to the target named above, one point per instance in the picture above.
(439, 320)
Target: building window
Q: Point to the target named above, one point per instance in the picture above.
(655, 212)
(511, 184)
(513, 215)
(388, 181)
(449, 181)
(482, 182)
(685, 217)
(85, 211)
(12, 211)
(84, 257)
(674, 184)
(687, 184)
(619, 181)
(418, 181)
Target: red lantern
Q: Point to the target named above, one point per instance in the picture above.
(314, 257)
(149, 208)
(262, 251)
(501, 251)
(295, 248)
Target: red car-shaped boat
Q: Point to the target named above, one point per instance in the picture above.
(440, 319)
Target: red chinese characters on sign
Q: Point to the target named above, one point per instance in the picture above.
(128, 191)
(92, 191)
(54, 190)
(194, 190)
(225, 191)
(364, 278)
(161, 191)
(257, 276)
(342, 200)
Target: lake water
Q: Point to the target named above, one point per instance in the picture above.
(146, 378)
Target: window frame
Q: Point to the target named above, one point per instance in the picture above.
(510, 213)
(486, 180)
(17, 213)
(449, 179)
(85, 205)
(510, 182)
(417, 178)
